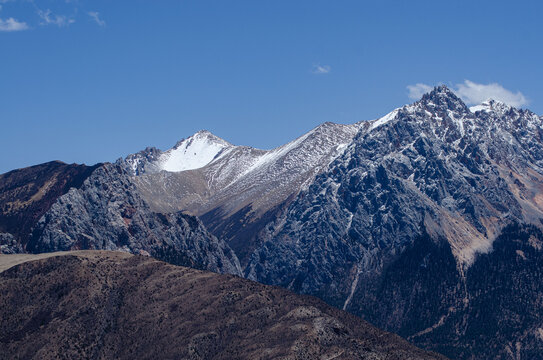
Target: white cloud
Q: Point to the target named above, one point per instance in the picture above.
(48, 18)
(95, 15)
(416, 91)
(473, 93)
(321, 69)
(10, 24)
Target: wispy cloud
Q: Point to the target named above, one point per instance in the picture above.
(60, 13)
(48, 18)
(416, 91)
(321, 69)
(95, 15)
(473, 93)
(10, 24)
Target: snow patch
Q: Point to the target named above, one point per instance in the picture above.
(354, 284)
(272, 156)
(491, 105)
(385, 119)
(480, 107)
(193, 153)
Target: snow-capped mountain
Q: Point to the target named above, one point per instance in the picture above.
(238, 188)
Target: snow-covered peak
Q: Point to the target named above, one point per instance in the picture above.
(204, 135)
(194, 152)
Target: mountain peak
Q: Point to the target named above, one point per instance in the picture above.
(194, 152)
(442, 89)
(439, 93)
(204, 135)
(443, 97)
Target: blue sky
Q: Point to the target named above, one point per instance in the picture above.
(90, 81)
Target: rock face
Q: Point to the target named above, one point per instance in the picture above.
(10, 245)
(101, 210)
(118, 306)
(107, 213)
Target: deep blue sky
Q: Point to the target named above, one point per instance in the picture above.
(91, 81)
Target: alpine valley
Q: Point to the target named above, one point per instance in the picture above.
(427, 222)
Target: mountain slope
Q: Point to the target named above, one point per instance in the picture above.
(493, 312)
(115, 305)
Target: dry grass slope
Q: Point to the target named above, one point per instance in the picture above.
(97, 304)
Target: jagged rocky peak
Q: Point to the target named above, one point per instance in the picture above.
(432, 166)
(439, 113)
(138, 163)
(507, 114)
(441, 97)
(441, 106)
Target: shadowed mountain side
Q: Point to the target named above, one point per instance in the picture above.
(101, 212)
(97, 304)
(26, 194)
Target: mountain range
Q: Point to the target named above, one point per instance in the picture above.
(425, 222)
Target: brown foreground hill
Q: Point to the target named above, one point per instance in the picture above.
(106, 305)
